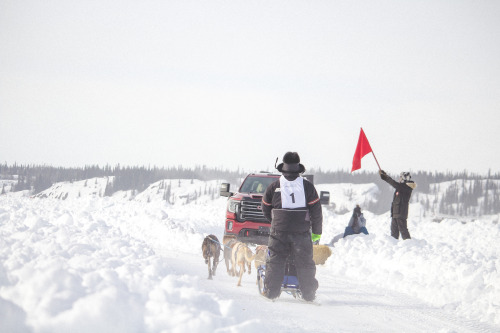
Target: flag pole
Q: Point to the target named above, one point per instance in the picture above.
(376, 160)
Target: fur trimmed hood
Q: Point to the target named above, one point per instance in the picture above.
(411, 184)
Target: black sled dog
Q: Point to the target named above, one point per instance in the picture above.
(211, 249)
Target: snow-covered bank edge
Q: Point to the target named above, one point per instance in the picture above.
(63, 260)
(77, 266)
(449, 265)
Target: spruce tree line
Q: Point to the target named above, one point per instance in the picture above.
(37, 178)
(467, 193)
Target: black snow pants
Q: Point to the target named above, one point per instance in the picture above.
(281, 245)
(399, 225)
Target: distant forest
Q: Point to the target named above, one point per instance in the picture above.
(470, 194)
(467, 194)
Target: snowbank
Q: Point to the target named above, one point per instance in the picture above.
(68, 266)
(449, 264)
(93, 264)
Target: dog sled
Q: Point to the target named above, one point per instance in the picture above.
(290, 283)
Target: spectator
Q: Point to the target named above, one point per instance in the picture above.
(357, 223)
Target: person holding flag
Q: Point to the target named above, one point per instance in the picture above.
(402, 193)
(400, 203)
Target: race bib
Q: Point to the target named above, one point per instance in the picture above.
(292, 193)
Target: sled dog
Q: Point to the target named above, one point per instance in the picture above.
(241, 256)
(211, 249)
(260, 255)
(228, 249)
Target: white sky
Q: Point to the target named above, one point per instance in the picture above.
(239, 83)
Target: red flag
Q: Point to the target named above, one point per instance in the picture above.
(362, 149)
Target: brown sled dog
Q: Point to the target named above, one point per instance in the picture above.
(211, 249)
(228, 249)
(242, 256)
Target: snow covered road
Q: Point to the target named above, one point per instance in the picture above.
(113, 264)
(346, 306)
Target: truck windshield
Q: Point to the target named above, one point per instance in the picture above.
(256, 184)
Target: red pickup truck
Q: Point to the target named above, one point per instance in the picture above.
(244, 218)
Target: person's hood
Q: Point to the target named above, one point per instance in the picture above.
(411, 184)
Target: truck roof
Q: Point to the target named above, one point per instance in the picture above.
(265, 174)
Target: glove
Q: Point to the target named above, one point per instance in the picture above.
(382, 174)
(315, 238)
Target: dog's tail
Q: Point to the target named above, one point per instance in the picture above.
(249, 255)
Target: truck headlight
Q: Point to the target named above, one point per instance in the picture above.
(233, 206)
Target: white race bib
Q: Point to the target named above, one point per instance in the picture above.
(292, 193)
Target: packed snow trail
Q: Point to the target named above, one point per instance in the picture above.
(345, 306)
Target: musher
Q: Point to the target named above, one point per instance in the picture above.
(293, 207)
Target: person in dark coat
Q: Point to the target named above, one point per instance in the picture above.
(357, 223)
(293, 207)
(400, 203)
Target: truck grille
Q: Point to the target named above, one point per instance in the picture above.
(251, 210)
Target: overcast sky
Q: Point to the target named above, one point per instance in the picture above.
(238, 83)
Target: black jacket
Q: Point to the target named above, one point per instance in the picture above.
(401, 198)
(293, 220)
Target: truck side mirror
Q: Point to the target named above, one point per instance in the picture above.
(324, 197)
(224, 190)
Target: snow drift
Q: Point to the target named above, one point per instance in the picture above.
(94, 264)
